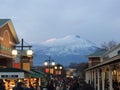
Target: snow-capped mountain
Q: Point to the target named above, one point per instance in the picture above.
(71, 48)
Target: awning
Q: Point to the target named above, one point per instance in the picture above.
(42, 74)
(13, 70)
(35, 75)
(29, 74)
(13, 73)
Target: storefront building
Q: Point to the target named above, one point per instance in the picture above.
(14, 69)
(8, 39)
(105, 74)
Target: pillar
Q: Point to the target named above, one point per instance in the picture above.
(110, 78)
(95, 79)
(103, 79)
(98, 79)
(86, 76)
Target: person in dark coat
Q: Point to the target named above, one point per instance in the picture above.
(31, 87)
(115, 84)
(2, 86)
(50, 86)
(20, 86)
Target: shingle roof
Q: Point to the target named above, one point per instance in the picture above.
(3, 21)
(97, 53)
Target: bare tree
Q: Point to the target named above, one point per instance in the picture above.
(109, 45)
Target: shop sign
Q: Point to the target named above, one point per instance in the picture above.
(11, 75)
(17, 65)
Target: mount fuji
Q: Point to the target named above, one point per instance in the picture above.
(65, 50)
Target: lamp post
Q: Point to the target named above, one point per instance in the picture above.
(28, 53)
(49, 63)
(58, 68)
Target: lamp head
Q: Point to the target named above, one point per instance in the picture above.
(14, 53)
(29, 53)
(46, 63)
(53, 63)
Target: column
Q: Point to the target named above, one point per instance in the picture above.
(92, 78)
(87, 77)
(103, 79)
(110, 77)
(95, 79)
(98, 80)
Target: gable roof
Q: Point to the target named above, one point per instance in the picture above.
(98, 53)
(3, 22)
(9, 22)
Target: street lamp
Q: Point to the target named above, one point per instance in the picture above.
(58, 69)
(50, 63)
(28, 53)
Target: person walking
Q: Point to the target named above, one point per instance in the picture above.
(50, 86)
(2, 86)
(20, 86)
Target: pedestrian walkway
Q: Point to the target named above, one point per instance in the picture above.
(68, 84)
(84, 85)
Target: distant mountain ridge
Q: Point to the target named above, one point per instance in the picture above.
(71, 48)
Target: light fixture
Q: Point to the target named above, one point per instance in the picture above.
(53, 63)
(60, 67)
(55, 67)
(46, 63)
(14, 53)
(29, 53)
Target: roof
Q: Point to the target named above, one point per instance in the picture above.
(39, 72)
(33, 74)
(112, 49)
(3, 22)
(9, 22)
(30, 73)
(98, 53)
(12, 70)
(106, 62)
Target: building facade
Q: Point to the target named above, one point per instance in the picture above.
(8, 39)
(14, 69)
(105, 75)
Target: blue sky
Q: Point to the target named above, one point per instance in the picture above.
(39, 20)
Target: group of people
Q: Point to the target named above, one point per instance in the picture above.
(54, 84)
(63, 84)
(22, 86)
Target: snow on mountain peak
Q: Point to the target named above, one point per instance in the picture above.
(71, 48)
(50, 40)
(69, 41)
(72, 36)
